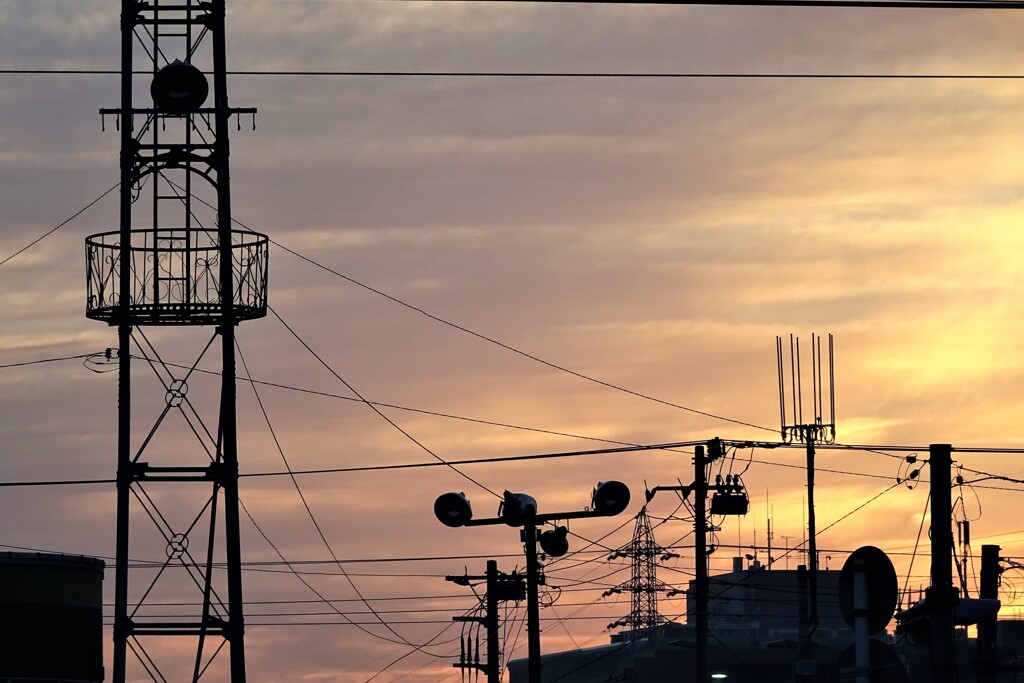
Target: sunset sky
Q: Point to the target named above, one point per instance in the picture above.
(652, 233)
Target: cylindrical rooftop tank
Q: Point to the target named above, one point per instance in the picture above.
(51, 617)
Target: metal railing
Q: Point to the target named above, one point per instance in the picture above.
(175, 277)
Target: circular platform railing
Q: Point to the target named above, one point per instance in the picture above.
(175, 277)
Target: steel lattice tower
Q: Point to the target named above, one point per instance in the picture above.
(176, 264)
(643, 585)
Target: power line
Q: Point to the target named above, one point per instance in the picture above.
(309, 510)
(484, 461)
(299, 575)
(834, 523)
(476, 461)
(514, 350)
(390, 664)
(862, 4)
(421, 411)
(41, 360)
(472, 333)
(61, 225)
(410, 437)
(672, 75)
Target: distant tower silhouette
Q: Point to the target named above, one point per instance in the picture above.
(643, 585)
(174, 276)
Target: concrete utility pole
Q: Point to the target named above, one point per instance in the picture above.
(730, 498)
(501, 587)
(941, 596)
(807, 664)
(803, 674)
(700, 540)
(988, 589)
(533, 579)
(810, 432)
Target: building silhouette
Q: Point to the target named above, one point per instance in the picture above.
(51, 618)
(754, 623)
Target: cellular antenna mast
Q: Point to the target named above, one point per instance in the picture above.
(175, 276)
(810, 430)
(794, 426)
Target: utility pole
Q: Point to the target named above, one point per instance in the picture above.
(608, 499)
(941, 596)
(810, 432)
(730, 498)
(700, 533)
(803, 672)
(501, 587)
(988, 589)
(533, 579)
(812, 544)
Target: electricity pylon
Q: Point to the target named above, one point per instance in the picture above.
(643, 585)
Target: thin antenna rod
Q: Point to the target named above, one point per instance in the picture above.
(821, 402)
(815, 378)
(782, 386)
(799, 384)
(792, 376)
(832, 384)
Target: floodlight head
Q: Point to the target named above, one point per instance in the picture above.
(452, 509)
(517, 508)
(555, 542)
(610, 498)
(179, 88)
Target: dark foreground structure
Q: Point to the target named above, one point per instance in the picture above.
(754, 624)
(51, 618)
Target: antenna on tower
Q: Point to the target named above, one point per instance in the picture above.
(795, 426)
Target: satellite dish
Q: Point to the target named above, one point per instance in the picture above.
(882, 586)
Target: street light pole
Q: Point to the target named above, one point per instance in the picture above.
(520, 510)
